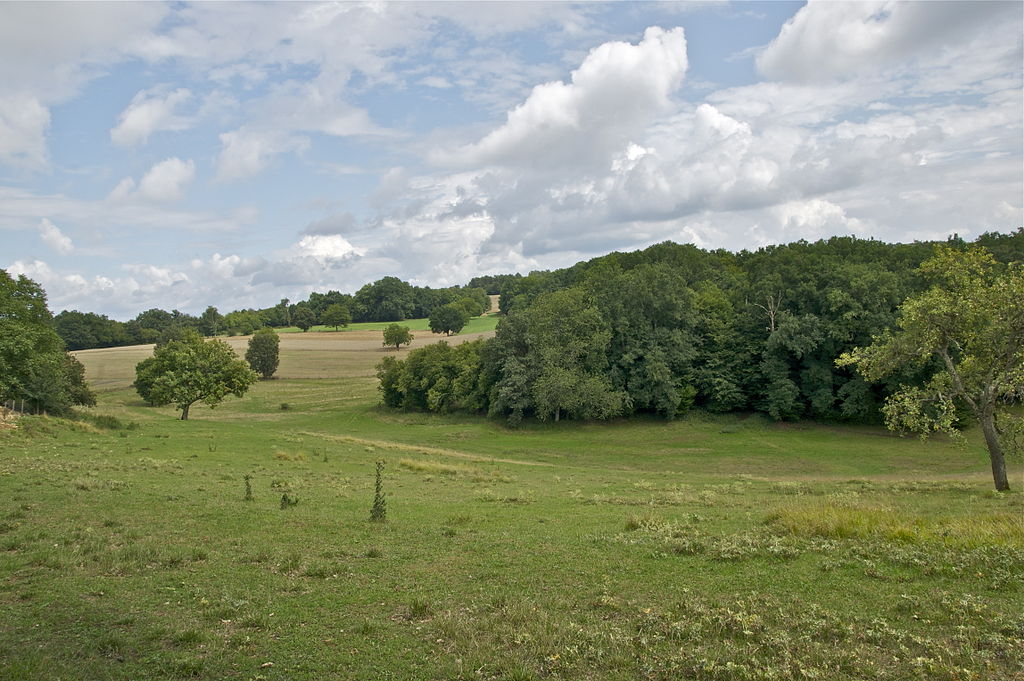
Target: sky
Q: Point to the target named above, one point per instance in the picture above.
(183, 155)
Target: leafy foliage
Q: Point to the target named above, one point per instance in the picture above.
(303, 317)
(673, 326)
(971, 319)
(191, 370)
(449, 319)
(336, 315)
(33, 364)
(397, 335)
(263, 352)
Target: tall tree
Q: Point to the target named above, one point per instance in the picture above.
(210, 322)
(971, 320)
(263, 352)
(191, 370)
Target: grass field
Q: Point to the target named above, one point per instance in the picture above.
(474, 325)
(712, 548)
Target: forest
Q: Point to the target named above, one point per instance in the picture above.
(674, 327)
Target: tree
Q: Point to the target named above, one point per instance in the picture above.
(448, 319)
(971, 320)
(303, 317)
(191, 370)
(211, 322)
(386, 300)
(262, 353)
(336, 315)
(397, 335)
(33, 364)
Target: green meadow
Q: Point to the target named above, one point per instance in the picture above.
(711, 547)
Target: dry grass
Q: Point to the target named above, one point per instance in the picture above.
(303, 355)
(834, 519)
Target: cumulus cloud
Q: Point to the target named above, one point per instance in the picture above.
(618, 88)
(54, 238)
(150, 111)
(246, 151)
(164, 182)
(827, 40)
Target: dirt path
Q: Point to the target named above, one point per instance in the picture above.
(420, 449)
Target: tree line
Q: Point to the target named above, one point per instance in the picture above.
(387, 300)
(673, 327)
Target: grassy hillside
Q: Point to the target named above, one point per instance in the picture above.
(706, 548)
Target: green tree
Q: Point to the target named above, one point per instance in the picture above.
(387, 300)
(448, 319)
(211, 322)
(33, 364)
(971, 320)
(191, 370)
(336, 315)
(397, 335)
(263, 352)
(303, 317)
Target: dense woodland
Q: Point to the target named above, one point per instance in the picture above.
(674, 327)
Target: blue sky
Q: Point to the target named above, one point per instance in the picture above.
(182, 155)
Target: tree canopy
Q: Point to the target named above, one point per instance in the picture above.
(303, 317)
(336, 315)
(448, 319)
(262, 354)
(34, 366)
(673, 327)
(191, 370)
(967, 332)
(397, 335)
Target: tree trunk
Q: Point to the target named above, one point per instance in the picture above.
(995, 453)
(184, 412)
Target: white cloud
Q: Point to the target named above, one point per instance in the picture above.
(54, 238)
(435, 82)
(827, 40)
(150, 111)
(23, 125)
(164, 182)
(617, 90)
(123, 191)
(326, 247)
(246, 151)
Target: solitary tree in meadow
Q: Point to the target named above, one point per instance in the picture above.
(263, 352)
(336, 315)
(191, 370)
(397, 335)
(972, 321)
